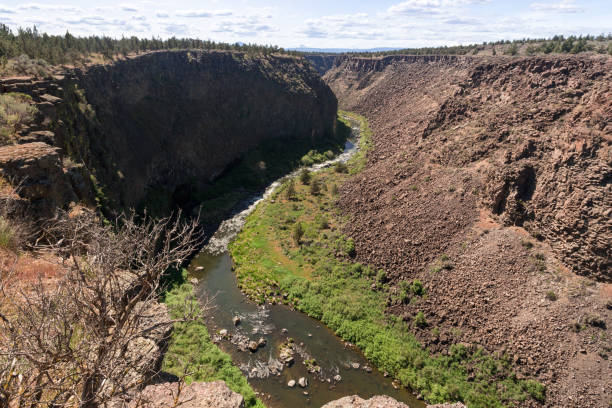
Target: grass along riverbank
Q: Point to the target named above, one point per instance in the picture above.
(292, 250)
(191, 349)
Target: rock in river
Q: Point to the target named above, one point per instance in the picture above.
(253, 346)
(291, 383)
(303, 382)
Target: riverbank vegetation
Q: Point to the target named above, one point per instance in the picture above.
(192, 351)
(292, 250)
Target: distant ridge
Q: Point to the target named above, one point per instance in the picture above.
(342, 50)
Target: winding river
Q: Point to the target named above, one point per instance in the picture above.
(343, 368)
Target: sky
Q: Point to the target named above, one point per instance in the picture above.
(317, 23)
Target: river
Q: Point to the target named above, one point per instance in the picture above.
(343, 368)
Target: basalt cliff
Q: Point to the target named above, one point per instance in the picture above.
(489, 180)
(159, 126)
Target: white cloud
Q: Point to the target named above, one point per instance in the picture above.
(564, 6)
(177, 29)
(429, 6)
(49, 7)
(204, 13)
(129, 8)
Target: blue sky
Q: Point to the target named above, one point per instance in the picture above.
(317, 23)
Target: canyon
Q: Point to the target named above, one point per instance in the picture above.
(487, 179)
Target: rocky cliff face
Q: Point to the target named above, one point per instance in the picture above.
(543, 126)
(321, 62)
(173, 121)
(489, 181)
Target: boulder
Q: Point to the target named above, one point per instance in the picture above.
(37, 169)
(196, 395)
(354, 401)
(253, 346)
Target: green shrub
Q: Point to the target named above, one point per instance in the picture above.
(349, 247)
(29, 66)
(334, 189)
(550, 295)
(314, 156)
(307, 161)
(322, 221)
(417, 288)
(315, 187)
(512, 50)
(297, 233)
(535, 389)
(7, 234)
(341, 167)
(305, 176)
(290, 192)
(381, 276)
(420, 321)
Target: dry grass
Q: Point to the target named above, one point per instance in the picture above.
(16, 111)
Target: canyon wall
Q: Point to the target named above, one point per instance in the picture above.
(489, 180)
(538, 129)
(175, 120)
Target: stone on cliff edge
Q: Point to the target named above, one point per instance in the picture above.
(197, 395)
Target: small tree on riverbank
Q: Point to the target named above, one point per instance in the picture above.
(290, 192)
(297, 233)
(315, 187)
(305, 176)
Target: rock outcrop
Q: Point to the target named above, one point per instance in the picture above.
(36, 168)
(354, 401)
(541, 126)
(196, 395)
